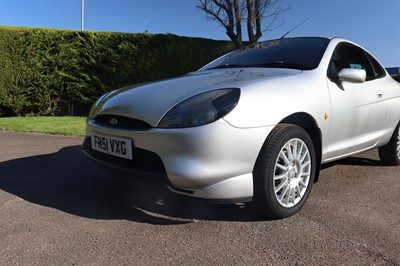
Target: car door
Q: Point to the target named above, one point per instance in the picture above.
(358, 109)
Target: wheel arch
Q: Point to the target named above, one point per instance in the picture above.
(308, 123)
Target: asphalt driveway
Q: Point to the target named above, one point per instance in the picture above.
(58, 208)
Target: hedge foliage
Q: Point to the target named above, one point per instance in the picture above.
(397, 77)
(44, 70)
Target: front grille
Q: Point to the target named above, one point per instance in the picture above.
(121, 122)
(143, 161)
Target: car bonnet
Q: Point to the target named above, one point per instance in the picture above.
(150, 102)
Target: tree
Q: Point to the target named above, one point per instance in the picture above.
(230, 14)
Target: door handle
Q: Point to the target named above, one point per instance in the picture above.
(379, 94)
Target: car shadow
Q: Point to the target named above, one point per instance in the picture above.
(69, 182)
(355, 161)
(360, 161)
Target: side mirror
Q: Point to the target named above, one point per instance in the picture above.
(352, 75)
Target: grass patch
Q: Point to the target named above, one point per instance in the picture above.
(66, 125)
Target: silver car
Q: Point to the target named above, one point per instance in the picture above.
(254, 125)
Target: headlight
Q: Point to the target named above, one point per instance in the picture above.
(201, 109)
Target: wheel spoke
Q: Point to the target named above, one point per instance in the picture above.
(295, 149)
(292, 195)
(288, 193)
(297, 189)
(304, 165)
(398, 145)
(300, 152)
(281, 185)
(282, 176)
(283, 156)
(282, 167)
(306, 154)
(306, 174)
(398, 152)
(288, 148)
(284, 192)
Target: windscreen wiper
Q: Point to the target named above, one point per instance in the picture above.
(277, 64)
(228, 66)
(281, 64)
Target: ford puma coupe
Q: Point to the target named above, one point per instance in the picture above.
(255, 124)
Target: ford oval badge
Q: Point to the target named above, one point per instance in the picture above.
(113, 121)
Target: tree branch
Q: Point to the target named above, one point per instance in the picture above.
(231, 13)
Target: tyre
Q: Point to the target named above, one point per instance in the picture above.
(390, 153)
(284, 172)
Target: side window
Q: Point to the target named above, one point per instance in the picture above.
(347, 55)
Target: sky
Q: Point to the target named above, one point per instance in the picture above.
(372, 24)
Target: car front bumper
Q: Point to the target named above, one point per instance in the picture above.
(213, 161)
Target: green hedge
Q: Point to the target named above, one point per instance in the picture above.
(397, 78)
(48, 71)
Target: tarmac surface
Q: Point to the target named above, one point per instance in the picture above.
(58, 208)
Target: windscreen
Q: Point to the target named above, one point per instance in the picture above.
(296, 53)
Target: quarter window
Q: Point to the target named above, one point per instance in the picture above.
(379, 71)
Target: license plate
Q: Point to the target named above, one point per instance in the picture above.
(116, 146)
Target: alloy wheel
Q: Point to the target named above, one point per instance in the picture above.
(292, 173)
